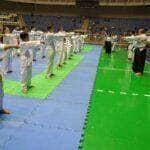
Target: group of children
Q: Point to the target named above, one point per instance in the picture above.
(25, 45)
(137, 45)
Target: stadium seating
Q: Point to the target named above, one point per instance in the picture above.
(119, 25)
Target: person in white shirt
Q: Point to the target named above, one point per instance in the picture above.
(131, 45)
(74, 42)
(32, 37)
(114, 42)
(59, 43)
(78, 42)
(2, 110)
(50, 52)
(41, 37)
(67, 47)
(26, 49)
(8, 39)
(66, 50)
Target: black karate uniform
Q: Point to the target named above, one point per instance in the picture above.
(139, 60)
(108, 46)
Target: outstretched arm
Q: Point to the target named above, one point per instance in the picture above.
(6, 47)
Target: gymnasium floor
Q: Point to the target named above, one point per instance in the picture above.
(114, 115)
(54, 122)
(118, 116)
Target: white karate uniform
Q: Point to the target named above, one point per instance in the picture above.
(8, 39)
(16, 41)
(32, 37)
(138, 41)
(1, 81)
(41, 37)
(66, 50)
(79, 43)
(73, 37)
(26, 57)
(83, 40)
(50, 53)
(68, 47)
(59, 43)
(76, 43)
(71, 44)
(114, 42)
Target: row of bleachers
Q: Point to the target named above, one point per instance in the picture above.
(71, 23)
(120, 25)
(41, 22)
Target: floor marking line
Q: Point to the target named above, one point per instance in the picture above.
(135, 94)
(121, 92)
(98, 90)
(111, 91)
(124, 93)
(147, 95)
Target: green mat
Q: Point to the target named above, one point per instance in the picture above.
(118, 117)
(87, 48)
(43, 87)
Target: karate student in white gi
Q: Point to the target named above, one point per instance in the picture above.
(27, 47)
(7, 39)
(50, 52)
(139, 52)
(74, 43)
(43, 46)
(70, 53)
(32, 37)
(39, 36)
(59, 43)
(66, 50)
(69, 45)
(83, 37)
(132, 44)
(77, 43)
(78, 40)
(114, 42)
(2, 110)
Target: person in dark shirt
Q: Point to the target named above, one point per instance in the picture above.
(108, 45)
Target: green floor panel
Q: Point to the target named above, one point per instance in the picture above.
(122, 81)
(119, 114)
(43, 87)
(115, 64)
(87, 48)
(147, 67)
(118, 122)
(118, 60)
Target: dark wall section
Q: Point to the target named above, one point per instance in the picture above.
(107, 12)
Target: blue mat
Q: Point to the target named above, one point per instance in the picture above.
(55, 123)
